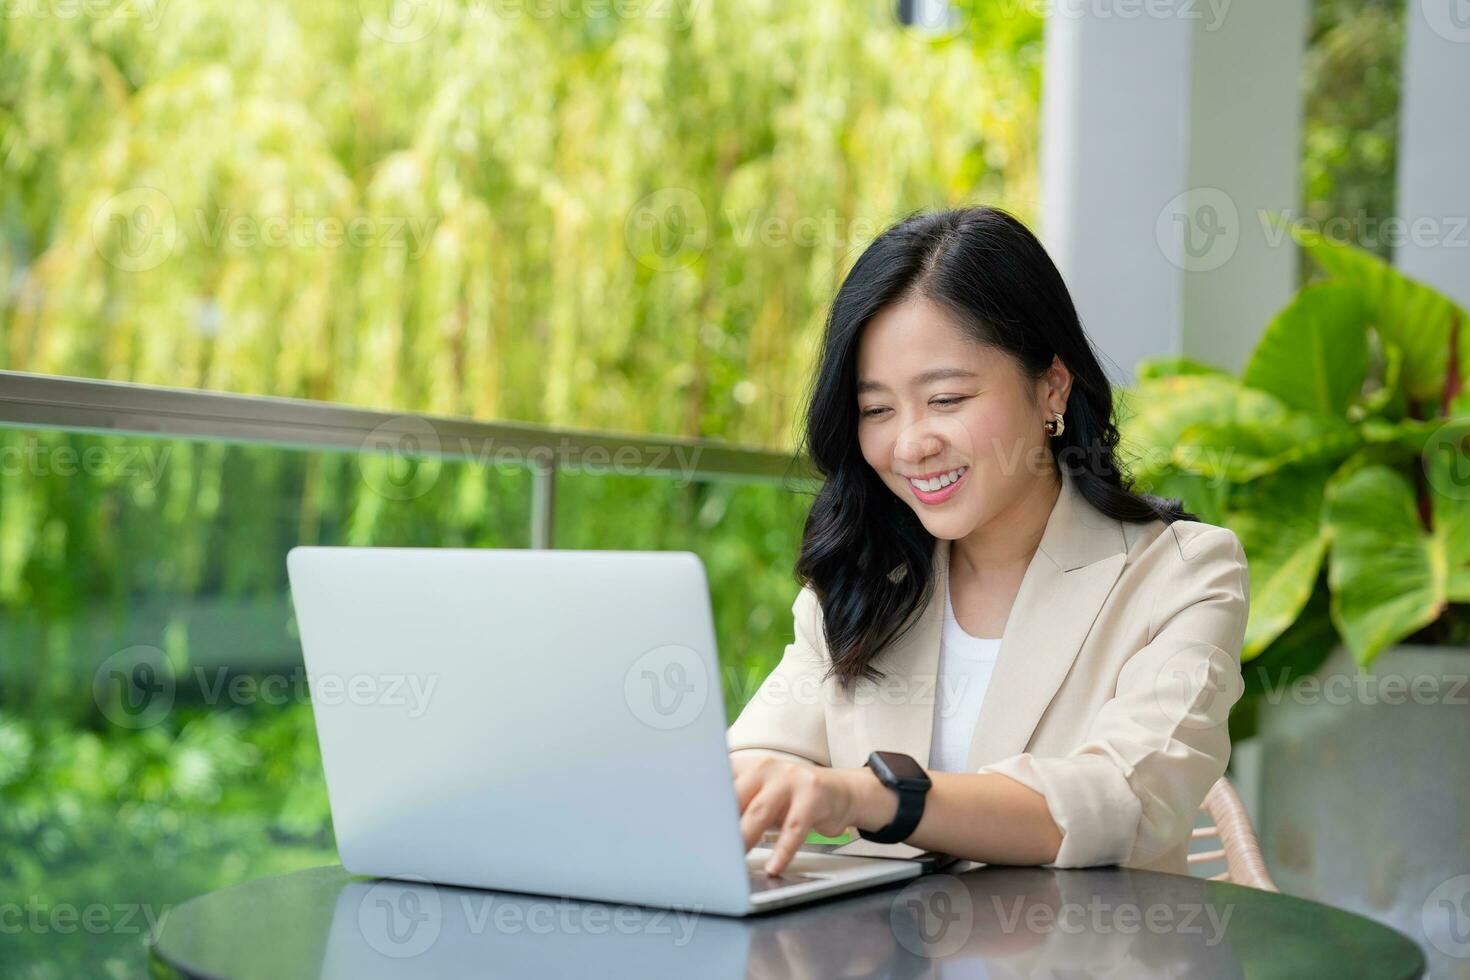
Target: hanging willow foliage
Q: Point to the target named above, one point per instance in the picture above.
(537, 211)
(487, 208)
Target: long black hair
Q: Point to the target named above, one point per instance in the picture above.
(864, 551)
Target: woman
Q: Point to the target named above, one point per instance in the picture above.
(985, 595)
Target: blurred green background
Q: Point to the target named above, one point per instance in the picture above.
(558, 216)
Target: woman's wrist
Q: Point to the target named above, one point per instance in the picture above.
(872, 805)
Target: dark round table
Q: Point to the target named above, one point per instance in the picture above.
(980, 922)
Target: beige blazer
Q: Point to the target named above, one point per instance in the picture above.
(1118, 666)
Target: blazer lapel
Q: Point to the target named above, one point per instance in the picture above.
(1079, 559)
(896, 714)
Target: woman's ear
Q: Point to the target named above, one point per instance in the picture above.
(1059, 384)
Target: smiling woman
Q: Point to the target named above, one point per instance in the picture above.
(964, 427)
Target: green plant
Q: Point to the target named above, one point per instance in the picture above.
(1339, 449)
(513, 216)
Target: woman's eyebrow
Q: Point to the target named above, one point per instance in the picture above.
(924, 378)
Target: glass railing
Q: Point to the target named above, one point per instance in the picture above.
(156, 738)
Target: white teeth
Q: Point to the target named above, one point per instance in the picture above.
(939, 482)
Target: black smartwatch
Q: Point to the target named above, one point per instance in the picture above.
(908, 779)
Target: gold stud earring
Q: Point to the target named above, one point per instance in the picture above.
(1055, 425)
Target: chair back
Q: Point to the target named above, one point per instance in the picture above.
(1230, 828)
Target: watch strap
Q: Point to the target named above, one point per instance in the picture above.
(910, 812)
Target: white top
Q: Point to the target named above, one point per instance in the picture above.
(965, 665)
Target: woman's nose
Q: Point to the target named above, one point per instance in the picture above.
(917, 443)
(934, 437)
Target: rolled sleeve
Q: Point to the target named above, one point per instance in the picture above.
(1130, 792)
(785, 718)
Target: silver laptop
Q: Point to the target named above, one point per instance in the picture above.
(539, 721)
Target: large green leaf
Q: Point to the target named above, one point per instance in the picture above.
(1314, 354)
(1156, 415)
(1447, 469)
(1280, 528)
(1384, 394)
(1151, 414)
(1243, 452)
(1410, 314)
(1460, 405)
(1388, 576)
(1203, 496)
(1410, 435)
(1171, 365)
(1296, 652)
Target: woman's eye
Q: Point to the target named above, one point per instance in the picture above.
(945, 402)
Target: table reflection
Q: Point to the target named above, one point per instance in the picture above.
(970, 922)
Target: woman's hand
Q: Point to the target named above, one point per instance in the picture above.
(979, 816)
(797, 798)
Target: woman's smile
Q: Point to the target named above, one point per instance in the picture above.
(936, 488)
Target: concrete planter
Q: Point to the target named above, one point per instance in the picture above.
(1359, 786)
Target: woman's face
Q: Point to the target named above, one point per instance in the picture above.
(951, 425)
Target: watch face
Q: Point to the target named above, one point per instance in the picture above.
(904, 769)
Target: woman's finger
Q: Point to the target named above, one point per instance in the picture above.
(767, 810)
(746, 786)
(793, 834)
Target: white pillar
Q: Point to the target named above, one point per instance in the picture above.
(1168, 129)
(1432, 237)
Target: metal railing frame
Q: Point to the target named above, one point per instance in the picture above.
(42, 401)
